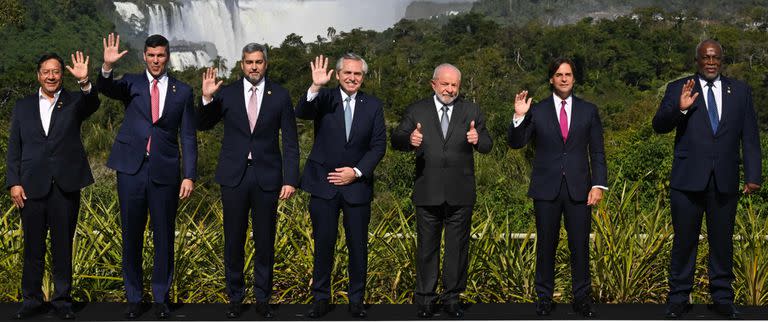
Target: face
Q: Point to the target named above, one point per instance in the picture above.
(708, 61)
(350, 76)
(49, 76)
(446, 85)
(156, 59)
(562, 81)
(254, 66)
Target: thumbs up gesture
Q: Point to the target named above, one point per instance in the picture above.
(416, 136)
(472, 134)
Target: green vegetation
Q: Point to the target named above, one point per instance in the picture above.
(624, 65)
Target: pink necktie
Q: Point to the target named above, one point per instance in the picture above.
(154, 96)
(253, 110)
(563, 122)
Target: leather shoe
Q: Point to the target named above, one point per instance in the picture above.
(425, 311)
(234, 309)
(27, 311)
(454, 310)
(319, 309)
(162, 311)
(264, 309)
(133, 311)
(544, 306)
(725, 309)
(677, 310)
(65, 313)
(357, 310)
(584, 308)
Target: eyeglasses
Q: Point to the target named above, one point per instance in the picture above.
(49, 72)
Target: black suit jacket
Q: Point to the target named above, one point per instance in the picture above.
(35, 160)
(581, 159)
(275, 117)
(365, 148)
(698, 151)
(445, 168)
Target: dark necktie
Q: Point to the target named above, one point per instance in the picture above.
(444, 120)
(714, 120)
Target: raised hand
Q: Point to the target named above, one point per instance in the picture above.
(210, 85)
(472, 134)
(320, 73)
(112, 51)
(521, 104)
(416, 136)
(79, 67)
(687, 97)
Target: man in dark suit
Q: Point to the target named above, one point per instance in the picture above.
(568, 178)
(710, 129)
(350, 140)
(444, 131)
(158, 110)
(46, 168)
(251, 171)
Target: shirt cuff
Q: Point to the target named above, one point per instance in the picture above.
(516, 121)
(684, 112)
(600, 187)
(358, 173)
(87, 89)
(106, 73)
(311, 96)
(205, 102)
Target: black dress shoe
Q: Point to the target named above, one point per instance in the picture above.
(27, 311)
(133, 311)
(725, 309)
(425, 311)
(454, 310)
(319, 309)
(357, 310)
(162, 311)
(544, 306)
(677, 310)
(264, 309)
(65, 313)
(234, 309)
(584, 308)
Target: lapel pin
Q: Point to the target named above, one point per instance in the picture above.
(59, 105)
(269, 92)
(728, 89)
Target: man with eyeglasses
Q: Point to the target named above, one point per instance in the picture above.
(715, 124)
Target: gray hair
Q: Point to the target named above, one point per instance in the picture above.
(352, 56)
(254, 47)
(444, 66)
(709, 41)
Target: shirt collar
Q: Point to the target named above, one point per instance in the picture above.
(568, 100)
(715, 82)
(160, 80)
(344, 95)
(40, 94)
(259, 86)
(440, 104)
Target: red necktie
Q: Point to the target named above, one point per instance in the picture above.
(563, 122)
(154, 96)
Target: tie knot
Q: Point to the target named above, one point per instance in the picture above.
(254, 88)
(349, 98)
(154, 82)
(445, 108)
(562, 103)
(710, 84)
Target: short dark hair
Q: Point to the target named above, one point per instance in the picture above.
(47, 56)
(157, 41)
(555, 65)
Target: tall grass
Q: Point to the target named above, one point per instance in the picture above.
(629, 253)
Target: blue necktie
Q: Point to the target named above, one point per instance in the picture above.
(347, 116)
(714, 120)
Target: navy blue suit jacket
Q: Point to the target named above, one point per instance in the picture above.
(699, 152)
(275, 116)
(581, 159)
(365, 148)
(35, 160)
(178, 120)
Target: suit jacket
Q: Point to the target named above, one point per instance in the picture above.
(178, 119)
(445, 168)
(35, 160)
(365, 148)
(699, 152)
(581, 158)
(275, 116)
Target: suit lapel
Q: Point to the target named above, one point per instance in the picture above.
(553, 121)
(169, 93)
(143, 84)
(577, 118)
(457, 117)
(359, 108)
(725, 93)
(240, 110)
(701, 103)
(338, 112)
(35, 106)
(64, 98)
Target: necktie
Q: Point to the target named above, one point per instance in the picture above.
(253, 110)
(444, 120)
(714, 120)
(347, 116)
(563, 122)
(154, 96)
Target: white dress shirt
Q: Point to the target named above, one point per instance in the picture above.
(162, 86)
(311, 96)
(46, 108)
(717, 90)
(439, 107)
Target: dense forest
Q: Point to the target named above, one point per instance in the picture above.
(623, 65)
